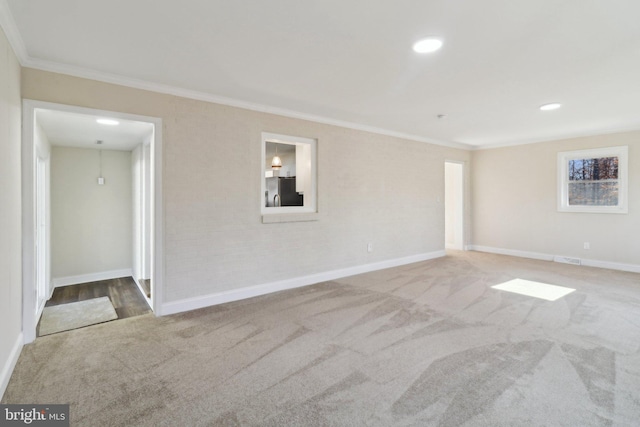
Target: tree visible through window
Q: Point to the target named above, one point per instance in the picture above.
(593, 182)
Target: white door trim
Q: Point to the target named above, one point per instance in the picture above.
(42, 248)
(29, 107)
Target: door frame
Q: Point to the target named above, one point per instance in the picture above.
(29, 289)
(42, 225)
(462, 207)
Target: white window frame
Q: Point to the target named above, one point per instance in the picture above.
(310, 206)
(622, 153)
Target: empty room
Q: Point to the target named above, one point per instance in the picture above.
(329, 213)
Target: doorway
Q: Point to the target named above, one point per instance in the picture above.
(38, 278)
(454, 205)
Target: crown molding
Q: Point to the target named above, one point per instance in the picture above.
(90, 74)
(10, 29)
(560, 137)
(71, 70)
(7, 23)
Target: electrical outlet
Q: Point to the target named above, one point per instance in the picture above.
(369, 247)
(587, 245)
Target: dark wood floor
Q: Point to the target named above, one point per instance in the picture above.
(123, 293)
(146, 286)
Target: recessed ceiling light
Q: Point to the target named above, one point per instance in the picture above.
(549, 107)
(427, 45)
(108, 122)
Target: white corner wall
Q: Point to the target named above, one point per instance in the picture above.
(10, 213)
(147, 203)
(43, 151)
(137, 211)
(91, 234)
(371, 189)
(141, 208)
(454, 204)
(515, 209)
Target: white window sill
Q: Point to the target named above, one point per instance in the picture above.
(289, 217)
(594, 209)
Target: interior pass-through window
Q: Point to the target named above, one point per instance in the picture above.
(288, 174)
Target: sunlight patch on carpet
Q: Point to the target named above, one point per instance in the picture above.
(534, 289)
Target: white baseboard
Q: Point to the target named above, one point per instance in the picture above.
(92, 277)
(512, 252)
(10, 364)
(634, 268)
(281, 285)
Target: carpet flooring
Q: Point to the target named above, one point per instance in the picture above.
(427, 344)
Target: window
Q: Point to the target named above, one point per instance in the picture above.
(288, 175)
(593, 180)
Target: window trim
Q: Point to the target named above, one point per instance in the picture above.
(621, 152)
(283, 210)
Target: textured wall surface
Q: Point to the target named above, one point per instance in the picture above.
(10, 205)
(371, 188)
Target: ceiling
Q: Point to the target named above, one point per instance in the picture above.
(351, 63)
(283, 150)
(83, 131)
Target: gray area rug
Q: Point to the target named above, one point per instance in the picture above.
(427, 344)
(64, 317)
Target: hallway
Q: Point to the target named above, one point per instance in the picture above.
(122, 292)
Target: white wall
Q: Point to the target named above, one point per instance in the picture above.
(147, 197)
(141, 205)
(137, 206)
(43, 150)
(515, 208)
(371, 188)
(91, 223)
(43, 146)
(454, 197)
(10, 213)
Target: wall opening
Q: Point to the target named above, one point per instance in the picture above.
(74, 129)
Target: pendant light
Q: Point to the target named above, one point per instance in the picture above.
(276, 163)
(100, 178)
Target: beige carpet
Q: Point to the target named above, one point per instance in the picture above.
(64, 317)
(428, 344)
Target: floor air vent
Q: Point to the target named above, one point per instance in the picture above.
(567, 260)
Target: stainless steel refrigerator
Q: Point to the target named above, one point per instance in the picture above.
(281, 191)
